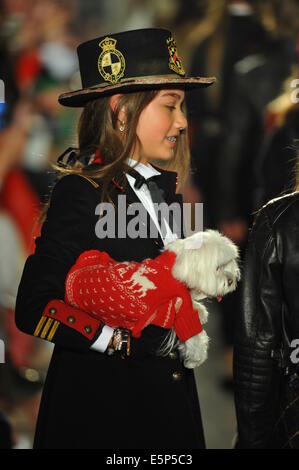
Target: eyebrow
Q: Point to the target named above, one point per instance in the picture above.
(173, 95)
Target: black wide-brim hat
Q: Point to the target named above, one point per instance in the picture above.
(143, 59)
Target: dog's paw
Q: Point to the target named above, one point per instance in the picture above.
(202, 311)
(194, 351)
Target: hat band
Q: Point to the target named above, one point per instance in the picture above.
(133, 83)
(133, 79)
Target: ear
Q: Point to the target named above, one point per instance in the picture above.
(114, 100)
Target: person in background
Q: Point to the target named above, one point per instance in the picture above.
(258, 79)
(275, 169)
(228, 32)
(266, 364)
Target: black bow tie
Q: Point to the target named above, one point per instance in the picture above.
(156, 192)
(157, 195)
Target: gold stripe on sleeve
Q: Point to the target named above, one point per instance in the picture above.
(46, 328)
(53, 330)
(39, 326)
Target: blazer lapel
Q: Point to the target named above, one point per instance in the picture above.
(131, 198)
(167, 183)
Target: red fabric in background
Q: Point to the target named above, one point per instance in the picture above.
(28, 67)
(22, 203)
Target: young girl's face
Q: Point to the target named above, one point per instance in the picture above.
(159, 126)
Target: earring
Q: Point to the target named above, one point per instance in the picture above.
(122, 126)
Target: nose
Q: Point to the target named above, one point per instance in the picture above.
(181, 121)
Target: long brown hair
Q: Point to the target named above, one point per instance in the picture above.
(97, 129)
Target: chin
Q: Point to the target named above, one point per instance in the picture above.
(162, 157)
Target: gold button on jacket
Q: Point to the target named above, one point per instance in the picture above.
(176, 376)
(173, 355)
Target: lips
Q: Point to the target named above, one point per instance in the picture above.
(172, 140)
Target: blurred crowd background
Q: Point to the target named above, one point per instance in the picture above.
(243, 134)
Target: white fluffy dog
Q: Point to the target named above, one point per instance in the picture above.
(207, 262)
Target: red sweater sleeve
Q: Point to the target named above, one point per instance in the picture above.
(131, 294)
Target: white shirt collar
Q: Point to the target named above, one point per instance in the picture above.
(145, 170)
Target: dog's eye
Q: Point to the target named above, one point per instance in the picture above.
(229, 281)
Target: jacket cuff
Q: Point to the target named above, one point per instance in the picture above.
(57, 312)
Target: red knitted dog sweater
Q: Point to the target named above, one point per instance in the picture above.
(131, 294)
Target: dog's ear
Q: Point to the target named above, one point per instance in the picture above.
(194, 242)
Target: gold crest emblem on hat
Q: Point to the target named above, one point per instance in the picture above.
(175, 63)
(111, 62)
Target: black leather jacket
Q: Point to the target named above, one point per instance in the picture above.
(270, 287)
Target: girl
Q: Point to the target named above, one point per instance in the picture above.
(133, 98)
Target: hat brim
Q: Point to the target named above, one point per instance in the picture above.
(79, 98)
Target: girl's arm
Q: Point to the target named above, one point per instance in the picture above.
(66, 233)
(67, 230)
(131, 294)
